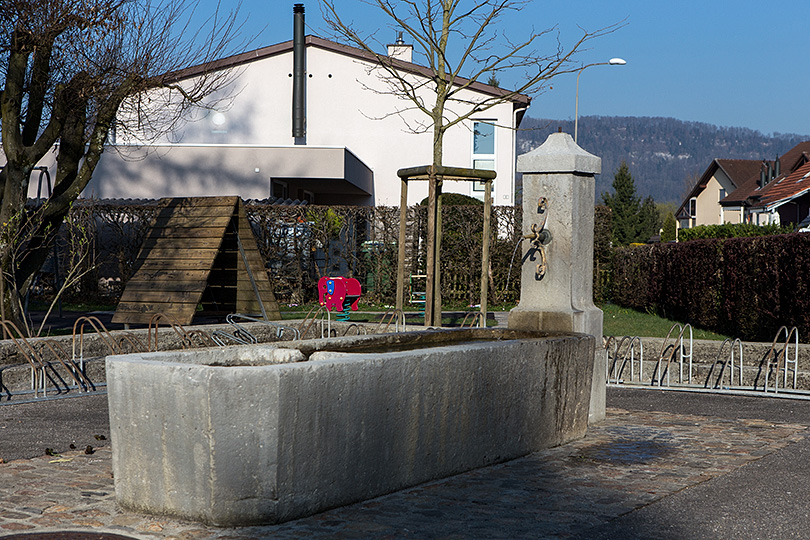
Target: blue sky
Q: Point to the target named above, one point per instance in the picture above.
(736, 63)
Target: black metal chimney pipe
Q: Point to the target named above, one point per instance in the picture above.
(299, 111)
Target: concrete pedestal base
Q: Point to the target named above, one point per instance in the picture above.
(586, 321)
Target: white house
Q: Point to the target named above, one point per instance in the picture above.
(357, 135)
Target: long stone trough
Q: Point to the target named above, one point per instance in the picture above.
(267, 433)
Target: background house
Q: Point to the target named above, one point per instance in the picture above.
(751, 191)
(357, 135)
(723, 176)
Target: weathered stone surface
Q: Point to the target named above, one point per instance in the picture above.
(562, 300)
(266, 443)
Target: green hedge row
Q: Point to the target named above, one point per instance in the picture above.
(741, 287)
(732, 230)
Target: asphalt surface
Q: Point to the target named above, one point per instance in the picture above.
(767, 498)
(752, 486)
(28, 429)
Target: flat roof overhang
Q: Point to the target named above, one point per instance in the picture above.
(223, 169)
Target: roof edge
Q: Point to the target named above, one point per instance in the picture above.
(241, 59)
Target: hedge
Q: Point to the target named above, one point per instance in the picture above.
(741, 287)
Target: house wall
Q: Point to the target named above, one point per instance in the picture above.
(348, 105)
(709, 211)
(733, 215)
(794, 211)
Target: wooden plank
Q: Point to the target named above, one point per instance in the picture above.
(178, 252)
(192, 212)
(211, 242)
(126, 317)
(215, 220)
(156, 307)
(176, 285)
(171, 231)
(198, 202)
(169, 274)
(152, 265)
(161, 295)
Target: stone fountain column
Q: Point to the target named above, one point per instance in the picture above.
(558, 196)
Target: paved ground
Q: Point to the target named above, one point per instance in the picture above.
(663, 465)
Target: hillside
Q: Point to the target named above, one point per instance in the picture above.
(664, 154)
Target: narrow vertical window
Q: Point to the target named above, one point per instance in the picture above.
(483, 145)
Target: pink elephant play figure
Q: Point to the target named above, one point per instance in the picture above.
(339, 293)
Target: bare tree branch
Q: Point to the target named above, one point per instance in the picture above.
(71, 71)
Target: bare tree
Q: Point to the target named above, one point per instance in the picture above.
(461, 43)
(70, 69)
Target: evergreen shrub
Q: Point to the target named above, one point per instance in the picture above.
(732, 230)
(741, 287)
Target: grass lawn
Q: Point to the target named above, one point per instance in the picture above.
(621, 321)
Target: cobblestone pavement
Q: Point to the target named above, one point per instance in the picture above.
(629, 461)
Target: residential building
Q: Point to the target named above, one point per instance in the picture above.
(751, 191)
(723, 176)
(357, 134)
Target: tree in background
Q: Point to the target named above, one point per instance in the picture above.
(649, 221)
(70, 71)
(461, 44)
(624, 205)
(633, 221)
(670, 231)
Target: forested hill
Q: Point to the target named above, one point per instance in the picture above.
(663, 154)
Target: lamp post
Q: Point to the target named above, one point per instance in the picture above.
(611, 62)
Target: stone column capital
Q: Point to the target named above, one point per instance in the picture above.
(559, 154)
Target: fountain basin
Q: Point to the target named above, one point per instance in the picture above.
(267, 433)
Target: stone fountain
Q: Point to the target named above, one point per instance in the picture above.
(267, 433)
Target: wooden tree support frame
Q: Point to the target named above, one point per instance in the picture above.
(200, 251)
(435, 176)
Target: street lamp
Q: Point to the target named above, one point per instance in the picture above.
(611, 62)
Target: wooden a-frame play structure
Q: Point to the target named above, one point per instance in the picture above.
(200, 253)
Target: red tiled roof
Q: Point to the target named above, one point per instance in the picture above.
(795, 157)
(741, 194)
(784, 189)
(737, 170)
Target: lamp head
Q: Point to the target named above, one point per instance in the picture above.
(617, 62)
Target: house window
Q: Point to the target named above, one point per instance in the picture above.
(693, 207)
(722, 194)
(483, 151)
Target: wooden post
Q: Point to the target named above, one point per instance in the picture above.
(435, 177)
(403, 217)
(485, 252)
(437, 258)
(431, 250)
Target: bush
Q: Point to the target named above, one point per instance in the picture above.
(742, 287)
(732, 230)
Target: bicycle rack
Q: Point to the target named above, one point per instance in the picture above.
(357, 328)
(311, 317)
(246, 334)
(134, 343)
(393, 316)
(676, 349)
(629, 354)
(221, 337)
(718, 384)
(39, 365)
(783, 354)
(185, 337)
(473, 317)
